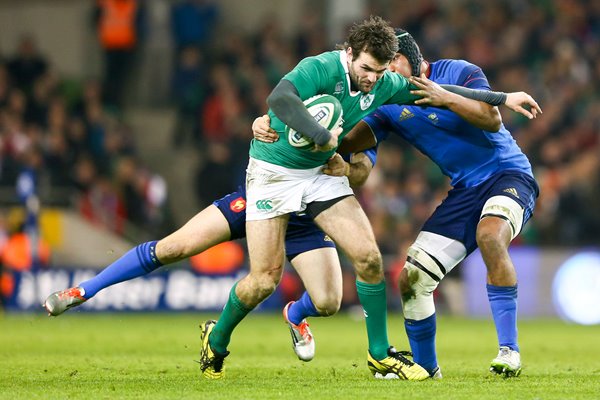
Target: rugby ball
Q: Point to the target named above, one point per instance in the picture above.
(326, 110)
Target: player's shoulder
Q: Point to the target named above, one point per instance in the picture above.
(453, 64)
(458, 72)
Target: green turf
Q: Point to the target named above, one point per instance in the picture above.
(78, 356)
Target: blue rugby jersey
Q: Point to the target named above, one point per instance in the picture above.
(466, 154)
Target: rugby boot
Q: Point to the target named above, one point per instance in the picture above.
(396, 366)
(59, 302)
(211, 362)
(506, 363)
(303, 341)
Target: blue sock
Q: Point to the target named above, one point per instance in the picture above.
(421, 336)
(138, 261)
(503, 302)
(301, 309)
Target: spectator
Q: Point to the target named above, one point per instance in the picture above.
(189, 92)
(27, 65)
(215, 178)
(193, 23)
(119, 25)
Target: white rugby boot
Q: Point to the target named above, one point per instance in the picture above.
(303, 341)
(507, 363)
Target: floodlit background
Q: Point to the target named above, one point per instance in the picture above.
(125, 145)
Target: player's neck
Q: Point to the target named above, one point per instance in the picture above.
(353, 87)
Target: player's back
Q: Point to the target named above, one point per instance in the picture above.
(465, 153)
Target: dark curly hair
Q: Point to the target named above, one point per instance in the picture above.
(408, 47)
(375, 36)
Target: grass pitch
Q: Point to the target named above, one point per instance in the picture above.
(124, 356)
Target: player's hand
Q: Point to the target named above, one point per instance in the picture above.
(261, 130)
(517, 102)
(333, 142)
(336, 166)
(431, 93)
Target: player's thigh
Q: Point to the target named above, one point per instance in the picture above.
(347, 224)
(265, 238)
(321, 273)
(206, 229)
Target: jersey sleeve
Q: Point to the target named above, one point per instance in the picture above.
(378, 122)
(308, 77)
(472, 77)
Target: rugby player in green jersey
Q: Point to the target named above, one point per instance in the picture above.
(289, 179)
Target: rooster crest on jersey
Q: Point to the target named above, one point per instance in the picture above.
(326, 110)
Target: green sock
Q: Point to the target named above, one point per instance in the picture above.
(233, 313)
(374, 301)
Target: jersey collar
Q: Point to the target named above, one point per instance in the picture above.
(344, 62)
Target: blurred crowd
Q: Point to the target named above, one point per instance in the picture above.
(75, 134)
(76, 146)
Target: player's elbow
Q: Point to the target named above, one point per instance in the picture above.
(273, 100)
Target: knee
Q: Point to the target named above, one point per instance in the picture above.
(490, 241)
(417, 293)
(170, 251)
(370, 266)
(403, 284)
(263, 283)
(327, 303)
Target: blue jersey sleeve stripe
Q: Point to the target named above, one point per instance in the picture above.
(372, 154)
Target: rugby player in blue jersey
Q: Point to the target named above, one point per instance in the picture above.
(493, 196)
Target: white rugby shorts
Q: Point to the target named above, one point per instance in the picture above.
(273, 190)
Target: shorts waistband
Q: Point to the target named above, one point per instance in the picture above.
(285, 171)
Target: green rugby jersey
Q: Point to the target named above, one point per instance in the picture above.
(327, 73)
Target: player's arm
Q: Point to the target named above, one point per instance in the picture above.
(357, 170)
(285, 102)
(360, 138)
(478, 113)
(436, 95)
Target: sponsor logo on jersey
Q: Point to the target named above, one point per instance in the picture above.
(406, 114)
(264, 205)
(238, 205)
(326, 238)
(433, 118)
(366, 100)
(512, 191)
(339, 87)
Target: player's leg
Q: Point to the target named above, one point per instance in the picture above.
(320, 271)
(346, 223)
(501, 220)
(265, 245)
(273, 192)
(508, 207)
(313, 255)
(429, 259)
(321, 274)
(206, 229)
